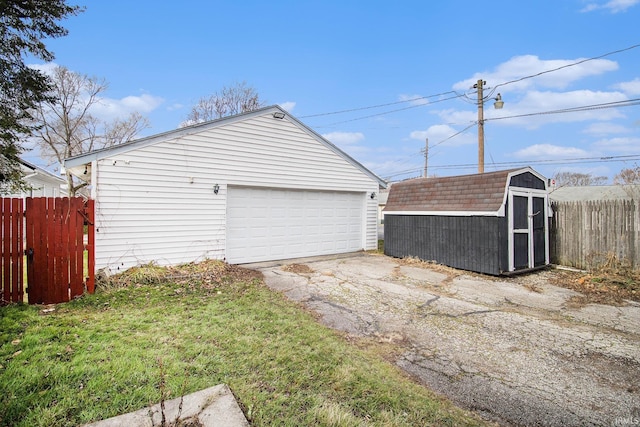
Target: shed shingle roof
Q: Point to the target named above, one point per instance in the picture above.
(475, 193)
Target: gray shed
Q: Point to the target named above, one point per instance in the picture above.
(494, 223)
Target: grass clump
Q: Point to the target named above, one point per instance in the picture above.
(96, 357)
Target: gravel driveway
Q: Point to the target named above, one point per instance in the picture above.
(517, 351)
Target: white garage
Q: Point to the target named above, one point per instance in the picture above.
(272, 224)
(258, 186)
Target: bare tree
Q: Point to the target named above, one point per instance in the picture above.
(629, 179)
(230, 100)
(66, 126)
(573, 179)
(628, 176)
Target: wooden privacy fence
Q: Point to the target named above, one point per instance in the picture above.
(49, 233)
(585, 234)
(12, 246)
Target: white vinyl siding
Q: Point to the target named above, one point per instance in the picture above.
(156, 203)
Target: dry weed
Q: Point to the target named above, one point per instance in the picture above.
(297, 268)
(206, 274)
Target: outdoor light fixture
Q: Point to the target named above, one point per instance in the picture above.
(373, 195)
(499, 102)
(216, 188)
(278, 115)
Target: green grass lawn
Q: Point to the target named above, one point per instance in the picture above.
(102, 355)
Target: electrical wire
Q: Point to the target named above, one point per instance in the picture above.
(577, 160)
(381, 105)
(567, 66)
(492, 90)
(384, 112)
(616, 104)
(464, 96)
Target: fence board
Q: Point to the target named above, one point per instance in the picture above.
(75, 248)
(55, 249)
(586, 234)
(90, 213)
(12, 229)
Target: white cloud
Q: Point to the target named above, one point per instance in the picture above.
(44, 68)
(605, 128)
(344, 138)
(549, 151)
(530, 111)
(614, 6)
(175, 106)
(445, 135)
(109, 108)
(624, 145)
(630, 88)
(288, 106)
(414, 99)
(529, 65)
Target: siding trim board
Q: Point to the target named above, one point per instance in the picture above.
(444, 213)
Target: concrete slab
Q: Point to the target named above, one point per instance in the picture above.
(214, 406)
(515, 350)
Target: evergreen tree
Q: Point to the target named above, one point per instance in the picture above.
(23, 26)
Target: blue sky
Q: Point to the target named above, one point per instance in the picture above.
(320, 57)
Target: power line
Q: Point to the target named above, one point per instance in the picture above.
(569, 161)
(382, 113)
(616, 104)
(566, 66)
(381, 105)
(457, 95)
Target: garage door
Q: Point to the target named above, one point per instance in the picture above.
(273, 224)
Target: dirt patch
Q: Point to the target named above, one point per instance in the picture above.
(297, 268)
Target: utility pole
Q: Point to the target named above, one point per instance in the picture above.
(479, 86)
(426, 157)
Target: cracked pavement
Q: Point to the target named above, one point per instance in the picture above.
(514, 352)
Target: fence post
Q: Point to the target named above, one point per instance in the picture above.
(91, 245)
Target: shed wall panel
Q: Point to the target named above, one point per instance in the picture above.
(528, 180)
(469, 243)
(156, 203)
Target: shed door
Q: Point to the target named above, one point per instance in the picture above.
(266, 224)
(528, 233)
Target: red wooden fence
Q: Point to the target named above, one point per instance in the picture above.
(12, 257)
(54, 248)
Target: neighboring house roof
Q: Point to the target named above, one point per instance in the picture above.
(483, 194)
(84, 159)
(40, 182)
(596, 192)
(30, 168)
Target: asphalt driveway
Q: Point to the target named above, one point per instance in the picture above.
(517, 351)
